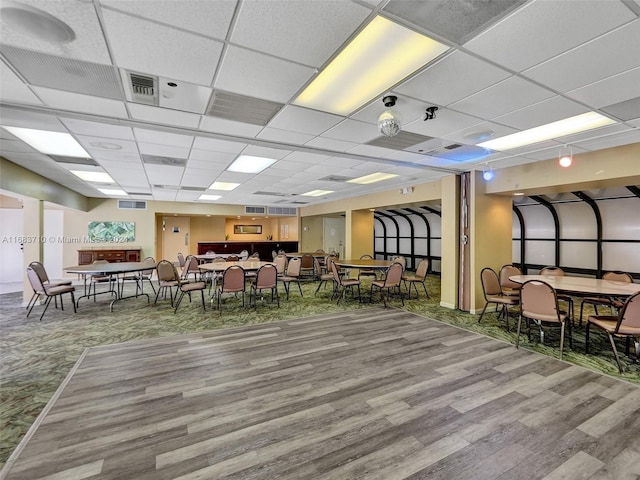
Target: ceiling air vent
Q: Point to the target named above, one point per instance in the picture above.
(400, 141)
(289, 211)
(241, 108)
(165, 161)
(132, 204)
(144, 88)
(250, 210)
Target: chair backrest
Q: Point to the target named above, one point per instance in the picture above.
(233, 258)
(401, 260)
(306, 261)
(490, 282)
(244, 254)
(166, 271)
(629, 316)
(507, 271)
(618, 277)
(267, 277)
(320, 251)
(538, 300)
(218, 259)
(149, 271)
(180, 259)
(254, 256)
(190, 266)
(423, 269)
(366, 256)
(233, 280)
(552, 271)
(40, 271)
(210, 252)
(281, 263)
(293, 267)
(34, 280)
(393, 275)
(274, 254)
(335, 271)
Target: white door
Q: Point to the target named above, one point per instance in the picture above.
(333, 235)
(175, 237)
(11, 255)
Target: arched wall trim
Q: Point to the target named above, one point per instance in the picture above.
(596, 211)
(384, 233)
(386, 250)
(523, 263)
(635, 190)
(556, 224)
(412, 236)
(428, 226)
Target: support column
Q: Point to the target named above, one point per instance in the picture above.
(33, 247)
(450, 243)
(491, 230)
(359, 233)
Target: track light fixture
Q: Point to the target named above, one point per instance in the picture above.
(565, 157)
(430, 114)
(487, 173)
(389, 121)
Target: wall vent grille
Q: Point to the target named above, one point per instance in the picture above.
(253, 210)
(284, 211)
(132, 204)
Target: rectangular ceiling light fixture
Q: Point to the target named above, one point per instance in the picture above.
(209, 197)
(372, 178)
(381, 55)
(579, 123)
(113, 191)
(223, 186)
(51, 143)
(87, 176)
(317, 193)
(249, 164)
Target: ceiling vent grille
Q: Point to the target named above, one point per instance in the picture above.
(241, 108)
(284, 211)
(132, 204)
(73, 160)
(166, 161)
(251, 210)
(144, 88)
(336, 178)
(400, 141)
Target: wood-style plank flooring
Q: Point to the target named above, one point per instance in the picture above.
(372, 394)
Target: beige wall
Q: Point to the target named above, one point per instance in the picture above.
(312, 232)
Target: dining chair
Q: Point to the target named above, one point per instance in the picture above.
(493, 293)
(49, 292)
(419, 277)
(307, 266)
(188, 288)
(291, 275)
(94, 280)
(139, 277)
(266, 279)
(44, 279)
(562, 297)
(367, 272)
(281, 262)
(391, 281)
(233, 258)
(327, 277)
(342, 284)
(509, 287)
(190, 268)
(181, 261)
(232, 281)
(168, 278)
(612, 302)
(539, 303)
(625, 324)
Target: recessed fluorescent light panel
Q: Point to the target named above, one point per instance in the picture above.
(381, 55)
(87, 176)
(223, 186)
(113, 191)
(51, 143)
(372, 178)
(249, 164)
(317, 193)
(579, 123)
(209, 197)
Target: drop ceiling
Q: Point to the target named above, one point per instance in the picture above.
(226, 82)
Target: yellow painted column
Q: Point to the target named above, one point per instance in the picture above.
(491, 222)
(450, 243)
(362, 232)
(33, 229)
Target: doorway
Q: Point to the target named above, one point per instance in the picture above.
(333, 235)
(175, 237)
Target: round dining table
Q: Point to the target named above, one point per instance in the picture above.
(368, 263)
(583, 285)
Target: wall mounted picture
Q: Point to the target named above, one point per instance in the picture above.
(112, 232)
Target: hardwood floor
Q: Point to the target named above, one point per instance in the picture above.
(370, 394)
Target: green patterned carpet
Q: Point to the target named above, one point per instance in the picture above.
(36, 356)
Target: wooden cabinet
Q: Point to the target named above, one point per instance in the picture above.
(88, 256)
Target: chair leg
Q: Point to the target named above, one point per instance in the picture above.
(615, 351)
(518, 332)
(425, 290)
(561, 339)
(483, 310)
(175, 310)
(34, 298)
(46, 305)
(204, 307)
(586, 339)
(73, 300)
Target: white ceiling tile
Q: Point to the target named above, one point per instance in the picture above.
(315, 30)
(409, 109)
(187, 196)
(454, 77)
(261, 76)
(100, 145)
(609, 91)
(541, 113)
(610, 141)
(215, 145)
(163, 115)
(163, 138)
(201, 16)
(164, 195)
(306, 157)
(369, 150)
(445, 121)
(81, 103)
(504, 97)
(196, 177)
(304, 120)
(146, 47)
(266, 152)
(331, 144)
(183, 96)
(13, 117)
(543, 29)
(9, 145)
(591, 62)
(478, 133)
(220, 125)
(13, 89)
(354, 131)
(163, 150)
(88, 44)
(214, 159)
(116, 157)
(595, 133)
(284, 136)
(164, 175)
(97, 129)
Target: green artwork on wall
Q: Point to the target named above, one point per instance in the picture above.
(112, 232)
